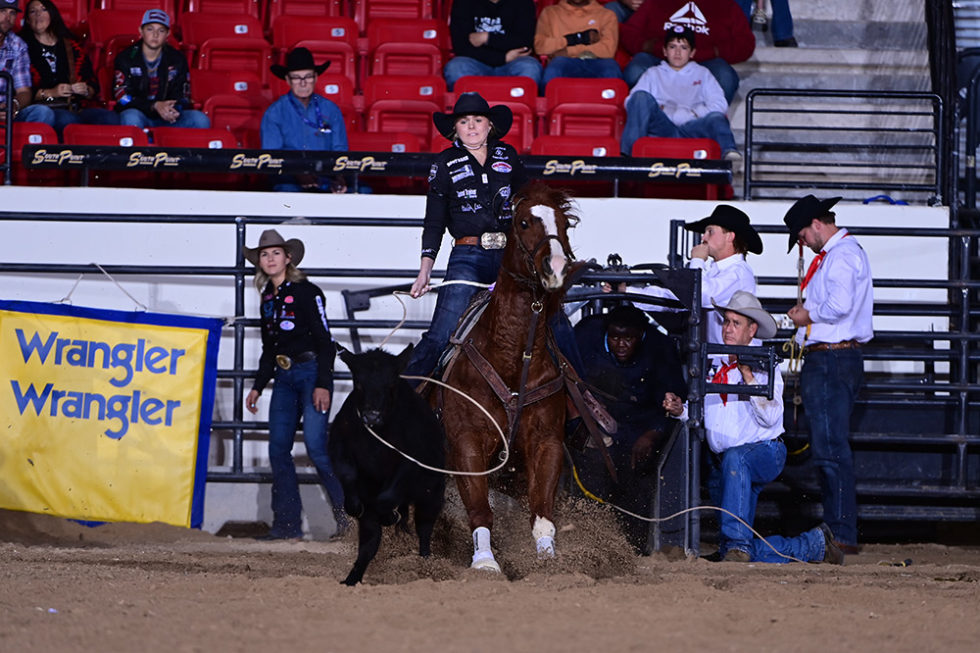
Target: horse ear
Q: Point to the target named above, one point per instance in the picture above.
(405, 357)
(345, 354)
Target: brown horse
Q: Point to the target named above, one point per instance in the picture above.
(504, 363)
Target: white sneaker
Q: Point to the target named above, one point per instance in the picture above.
(732, 155)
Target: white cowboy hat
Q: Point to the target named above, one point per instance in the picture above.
(745, 303)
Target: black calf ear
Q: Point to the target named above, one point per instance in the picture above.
(345, 354)
(405, 357)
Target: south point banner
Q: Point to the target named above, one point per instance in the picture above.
(105, 415)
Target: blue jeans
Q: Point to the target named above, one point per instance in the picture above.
(644, 117)
(458, 67)
(292, 397)
(782, 19)
(60, 118)
(188, 118)
(736, 478)
(572, 67)
(829, 384)
(467, 263)
(721, 69)
(808, 547)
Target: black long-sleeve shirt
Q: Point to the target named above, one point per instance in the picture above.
(294, 321)
(509, 23)
(469, 199)
(131, 86)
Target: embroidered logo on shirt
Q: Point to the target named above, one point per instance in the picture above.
(288, 299)
(432, 172)
(691, 16)
(461, 159)
(466, 193)
(286, 325)
(462, 173)
(501, 167)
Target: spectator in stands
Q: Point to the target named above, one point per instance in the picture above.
(65, 88)
(14, 60)
(630, 367)
(304, 120)
(723, 33)
(152, 83)
(678, 99)
(744, 433)
(492, 37)
(470, 188)
(833, 324)
(580, 38)
(782, 21)
(298, 353)
(727, 237)
(623, 8)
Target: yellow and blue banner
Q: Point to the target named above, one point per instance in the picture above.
(105, 415)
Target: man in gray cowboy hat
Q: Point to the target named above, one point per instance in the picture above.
(833, 324)
(302, 119)
(744, 434)
(726, 238)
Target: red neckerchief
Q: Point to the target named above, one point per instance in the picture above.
(814, 264)
(721, 376)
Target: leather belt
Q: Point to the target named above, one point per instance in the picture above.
(285, 362)
(488, 240)
(825, 346)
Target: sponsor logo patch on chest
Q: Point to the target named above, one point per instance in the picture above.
(501, 167)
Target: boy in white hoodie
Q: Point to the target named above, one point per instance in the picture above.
(678, 99)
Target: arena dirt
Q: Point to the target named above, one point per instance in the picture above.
(126, 587)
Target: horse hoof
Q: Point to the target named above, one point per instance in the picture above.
(546, 547)
(484, 560)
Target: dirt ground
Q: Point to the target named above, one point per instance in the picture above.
(126, 587)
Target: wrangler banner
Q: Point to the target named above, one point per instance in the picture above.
(105, 415)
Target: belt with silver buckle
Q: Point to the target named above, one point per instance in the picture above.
(285, 362)
(829, 346)
(488, 240)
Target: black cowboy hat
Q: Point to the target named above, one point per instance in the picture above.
(298, 59)
(473, 104)
(271, 238)
(801, 214)
(730, 218)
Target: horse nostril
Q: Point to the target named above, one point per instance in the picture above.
(547, 267)
(372, 418)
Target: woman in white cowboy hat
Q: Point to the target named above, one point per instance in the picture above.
(298, 353)
(470, 188)
(302, 119)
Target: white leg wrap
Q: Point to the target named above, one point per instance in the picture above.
(544, 536)
(482, 553)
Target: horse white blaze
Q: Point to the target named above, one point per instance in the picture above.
(557, 259)
(544, 536)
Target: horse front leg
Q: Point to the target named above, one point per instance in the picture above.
(474, 492)
(543, 469)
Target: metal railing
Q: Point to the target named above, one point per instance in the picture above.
(859, 143)
(8, 120)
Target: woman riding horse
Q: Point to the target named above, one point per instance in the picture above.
(508, 363)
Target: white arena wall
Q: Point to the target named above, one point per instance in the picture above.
(636, 229)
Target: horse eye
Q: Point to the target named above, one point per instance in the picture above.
(524, 224)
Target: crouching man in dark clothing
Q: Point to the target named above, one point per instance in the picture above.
(630, 367)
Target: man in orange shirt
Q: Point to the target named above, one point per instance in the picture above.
(580, 38)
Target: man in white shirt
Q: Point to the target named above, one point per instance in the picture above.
(834, 322)
(744, 434)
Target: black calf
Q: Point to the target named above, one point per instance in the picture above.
(379, 483)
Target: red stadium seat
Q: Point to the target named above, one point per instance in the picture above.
(407, 46)
(234, 7)
(332, 39)
(30, 133)
(74, 13)
(586, 107)
(398, 142)
(105, 24)
(214, 139)
(302, 9)
(227, 43)
(339, 90)
(366, 11)
(551, 145)
(500, 89)
(239, 114)
(205, 83)
(681, 148)
(395, 103)
(111, 136)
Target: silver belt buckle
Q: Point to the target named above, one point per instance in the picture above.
(493, 240)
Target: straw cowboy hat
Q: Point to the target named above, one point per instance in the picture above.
(271, 238)
(501, 117)
(730, 218)
(745, 303)
(801, 214)
(298, 59)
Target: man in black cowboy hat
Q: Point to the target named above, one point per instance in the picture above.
(834, 322)
(727, 237)
(302, 119)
